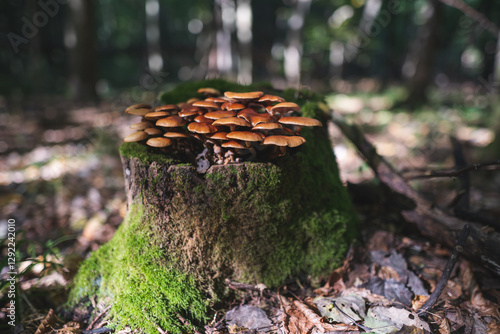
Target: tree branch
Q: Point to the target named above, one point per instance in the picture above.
(455, 172)
(480, 18)
(430, 220)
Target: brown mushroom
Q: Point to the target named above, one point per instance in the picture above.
(218, 100)
(136, 136)
(271, 99)
(218, 136)
(299, 122)
(139, 109)
(201, 128)
(209, 91)
(247, 113)
(290, 141)
(234, 106)
(261, 118)
(243, 96)
(203, 119)
(159, 142)
(153, 131)
(248, 137)
(232, 122)
(206, 104)
(220, 114)
(171, 108)
(141, 125)
(283, 142)
(171, 122)
(282, 108)
(172, 134)
(156, 115)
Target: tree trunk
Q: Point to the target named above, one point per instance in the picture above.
(420, 62)
(80, 40)
(187, 232)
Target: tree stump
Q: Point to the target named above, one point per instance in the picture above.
(186, 232)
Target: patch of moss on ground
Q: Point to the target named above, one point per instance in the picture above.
(146, 292)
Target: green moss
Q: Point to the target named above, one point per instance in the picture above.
(131, 270)
(145, 153)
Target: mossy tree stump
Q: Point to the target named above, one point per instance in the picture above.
(186, 232)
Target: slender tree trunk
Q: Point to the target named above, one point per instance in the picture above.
(420, 61)
(244, 34)
(80, 40)
(293, 50)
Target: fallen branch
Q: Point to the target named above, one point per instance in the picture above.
(446, 272)
(454, 173)
(99, 316)
(430, 220)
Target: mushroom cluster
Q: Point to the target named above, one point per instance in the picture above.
(222, 129)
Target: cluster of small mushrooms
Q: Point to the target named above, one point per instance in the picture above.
(219, 130)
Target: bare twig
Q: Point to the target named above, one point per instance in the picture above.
(366, 329)
(99, 316)
(244, 286)
(480, 18)
(446, 272)
(455, 172)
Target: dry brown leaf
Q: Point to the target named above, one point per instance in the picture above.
(47, 323)
(444, 326)
(386, 272)
(418, 302)
(302, 318)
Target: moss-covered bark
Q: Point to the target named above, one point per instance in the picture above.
(186, 232)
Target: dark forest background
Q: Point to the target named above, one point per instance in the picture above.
(94, 48)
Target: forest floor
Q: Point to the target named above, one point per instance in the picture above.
(61, 181)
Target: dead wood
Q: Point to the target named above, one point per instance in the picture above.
(431, 221)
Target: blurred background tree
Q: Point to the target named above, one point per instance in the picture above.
(88, 49)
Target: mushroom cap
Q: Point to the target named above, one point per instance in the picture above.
(136, 136)
(245, 136)
(187, 113)
(141, 125)
(156, 115)
(247, 113)
(300, 121)
(201, 128)
(243, 96)
(283, 107)
(206, 104)
(203, 119)
(153, 131)
(171, 122)
(261, 118)
(233, 144)
(218, 100)
(219, 136)
(290, 141)
(192, 100)
(208, 91)
(231, 121)
(234, 106)
(159, 142)
(167, 107)
(271, 98)
(139, 109)
(220, 114)
(267, 126)
(172, 134)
